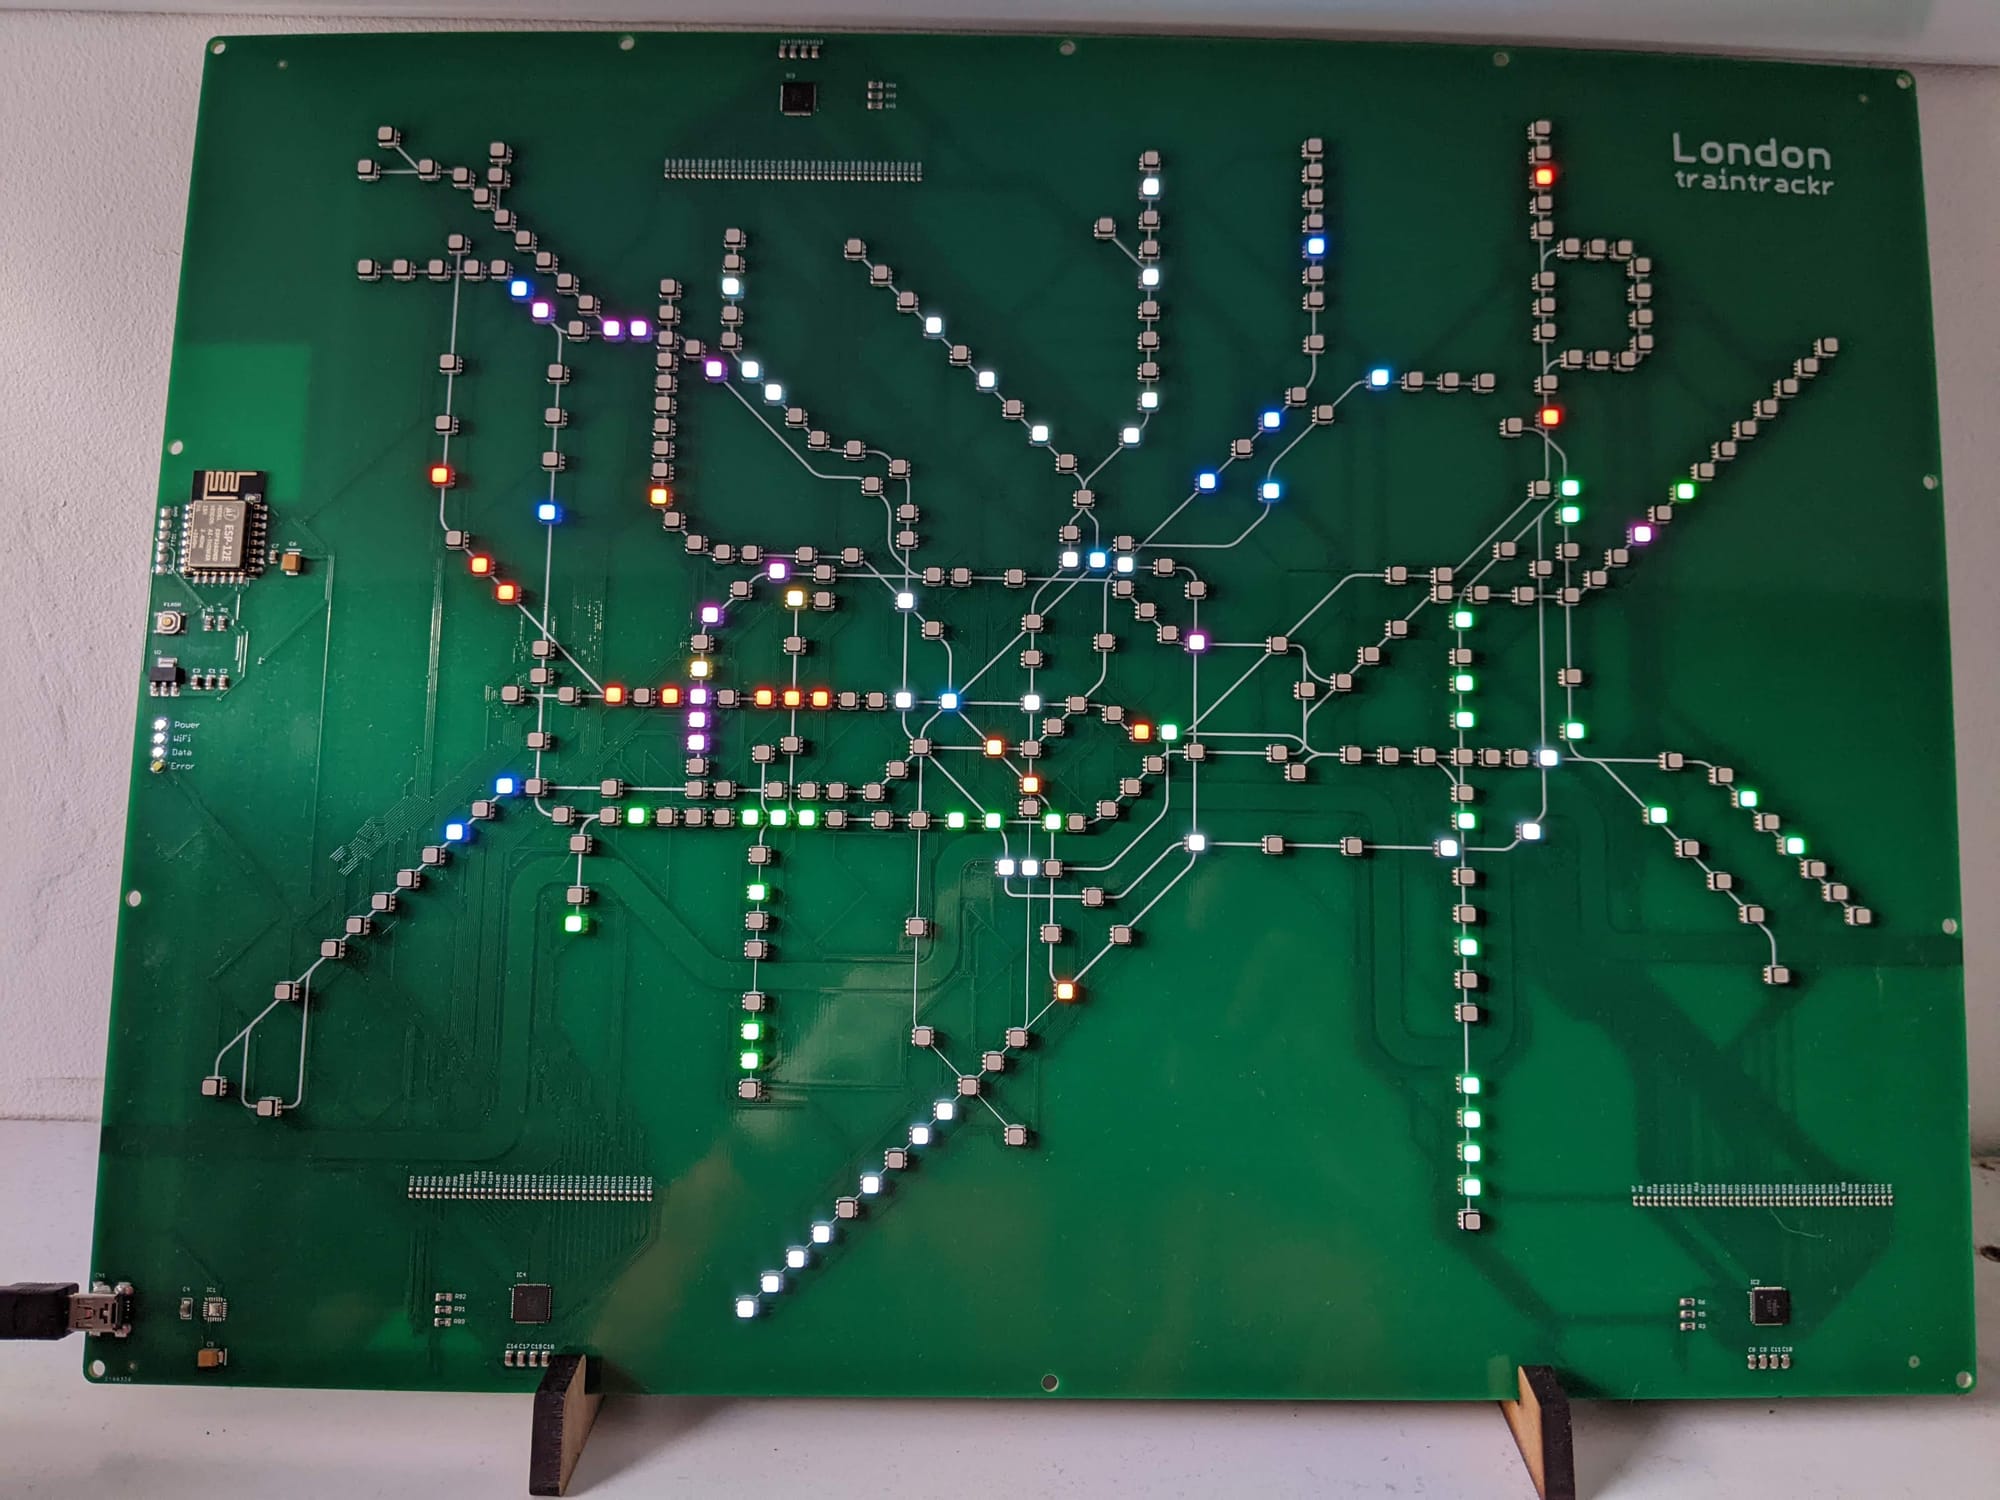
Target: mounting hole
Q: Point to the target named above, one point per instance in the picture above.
(627, 43)
(1049, 1382)
(1930, 481)
(283, 64)
(1950, 925)
(97, 1369)
(1904, 80)
(1067, 49)
(1964, 1379)
(1914, 1361)
(218, 48)
(1501, 59)
(133, 898)
(174, 446)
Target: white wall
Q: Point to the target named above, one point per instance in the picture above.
(96, 130)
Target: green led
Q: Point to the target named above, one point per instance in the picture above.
(758, 891)
(1471, 1119)
(779, 817)
(1467, 820)
(1472, 1187)
(1746, 797)
(1052, 822)
(576, 921)
(1461, 619)
(635, 816)
(993, 820)
(954, 820)
(1170, 731)
(1464, 718)
(1656, 815)
(808, 817)
(749, 817)
(752, 1031)
(1468, 1083)
(1471, 1151)
(1569, 515)
(1794, 844)
(750, 1060)
(1468, 947)
(1684, 490)
(1571, 488)
(1462, 683)
(1573, 730)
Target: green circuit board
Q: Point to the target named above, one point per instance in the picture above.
(1018, 716)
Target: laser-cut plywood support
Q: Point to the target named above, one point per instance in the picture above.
(1540, 1420)
(566, 1405)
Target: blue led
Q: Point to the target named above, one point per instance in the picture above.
(1378, 377)
(1272, 490)
(519, 290)
(454, 833)
(1272, 419)
(1315, 244)
(1100, 559)
(503, 786)
(948, 701)
(549, 512)
(1205, 480)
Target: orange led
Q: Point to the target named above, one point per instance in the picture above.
(1030, 785)
(441, 475)
(1552, 416)
(507, 593)
(995, 746)
(659, 495)
(1066, 991)
(792, 697)
(1545, 176)
(480, 564)
(613, 694)
(763, 697)
(670, 696)
(821, 698)
(1142, 732)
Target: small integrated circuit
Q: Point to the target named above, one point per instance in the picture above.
(533, 1302)
(1770, 1306)
(224, 526)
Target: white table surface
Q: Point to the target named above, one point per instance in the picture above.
(61, 1436)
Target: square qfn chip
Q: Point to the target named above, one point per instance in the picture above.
(534, 1302)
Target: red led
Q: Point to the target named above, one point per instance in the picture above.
(480, 564)
(821, 698)
(659, 495)
(1030, 784)
(441, 475)
(670, 697)
(507, 593)
(995, 747)
(1545, 176)
(763, 697)
(1552, 416)
(613, 694)
(793, 697)
(1142, 732)
(1066, 991)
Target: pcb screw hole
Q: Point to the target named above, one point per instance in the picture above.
(175, 446)
(1914, 1361)
(133, 898)
(1501, 59)
(1964, 1380)
(1950, 925)
(626, 43)
(1903, 80)
(218, 48)
(97, 1369)
(1930, 481)
(1067, 49)
(1049, 1382)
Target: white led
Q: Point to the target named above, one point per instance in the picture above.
(1125, 563)
(1149, 187)
(751, 369)
(905, 699)
(871, 1184)
(920, 1135)
(1130, 437)
(796, 1257)
(1547, 756)
(1448, 848)
(1531, 833)
(1070, 559)
(1031, 702)
(1149, 400)
(771, 1283)
(159, 723)
(944, 1109)
(732, 286)
(905, 599)
(933, 325)
(774, 392)
(1039, 433)
(746, 1307)
(1196, 842)
(1271, 489)
(1149, 276)
(822, 1234)
(1099, 558)
(1003, 867)
(987, 379)
(1031, 867)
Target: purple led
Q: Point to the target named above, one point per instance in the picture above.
(639, 328)
(614, 328)
(698, 719)
(714, 369)
(1642, 534)
(698, 695)
(1197, 640)
(697, 742)
(779, 570)
(711, 614)
(539, 311)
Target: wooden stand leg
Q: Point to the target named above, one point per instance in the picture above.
(565, 1407)
(1540, 1420)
